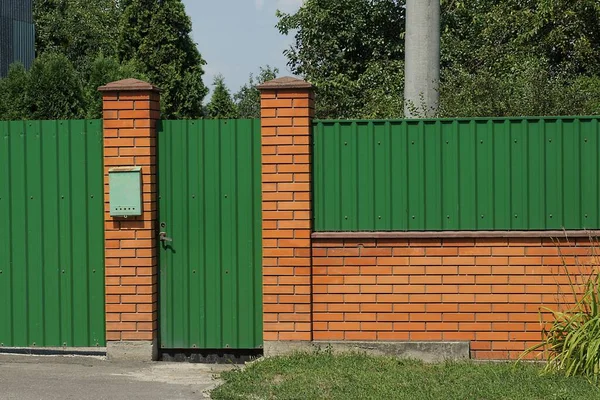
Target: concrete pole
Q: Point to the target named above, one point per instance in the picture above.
(422, 65)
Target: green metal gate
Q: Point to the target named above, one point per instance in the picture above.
(210, 219)
(51, 234)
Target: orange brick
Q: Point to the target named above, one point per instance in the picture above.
(328, 335)
(442, 251)
(361, 335)
(137, 336)
(398, 336)
(116, 105)
(344, 326)
(425, 336)
(374, 307)
(297, 336)
(121, 326)
(372, 270)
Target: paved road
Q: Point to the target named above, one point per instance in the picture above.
(82, 378)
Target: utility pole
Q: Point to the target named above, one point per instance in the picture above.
(422, 64)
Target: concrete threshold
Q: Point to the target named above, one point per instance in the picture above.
(430, 351)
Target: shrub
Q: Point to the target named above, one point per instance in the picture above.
(571, 343)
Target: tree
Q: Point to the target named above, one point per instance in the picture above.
(499, 57)
(528, 89)
(79, 29)
(54, 90)
(50, 90)
(336, 41)
(479, 33)
(221, 104)
(99, 41)
(13, 93)
(101, 71)
(156, 35)
(84, 32)
(247, 98)
(520, 57)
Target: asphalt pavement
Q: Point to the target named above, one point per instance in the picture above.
(83, 378)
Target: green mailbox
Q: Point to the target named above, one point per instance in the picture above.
(125, 196)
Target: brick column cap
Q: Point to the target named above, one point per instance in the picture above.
(286, 82)
(129, 85)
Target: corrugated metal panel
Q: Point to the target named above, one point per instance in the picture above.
(51, 234)
(478, 174)
(210, 192)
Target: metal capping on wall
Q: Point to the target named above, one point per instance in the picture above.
(210, 202)
(457, 174)
(51, 234)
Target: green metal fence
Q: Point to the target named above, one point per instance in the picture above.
(210, 206)
(476, 174)
(51, 234)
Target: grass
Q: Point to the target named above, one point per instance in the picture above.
(356, 376)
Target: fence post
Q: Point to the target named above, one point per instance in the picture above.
(287, 110)
(131, 111)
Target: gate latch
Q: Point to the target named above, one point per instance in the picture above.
(162, 236)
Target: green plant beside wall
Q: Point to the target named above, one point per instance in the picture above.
(571, 342)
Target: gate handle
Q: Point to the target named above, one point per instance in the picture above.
(163, 237)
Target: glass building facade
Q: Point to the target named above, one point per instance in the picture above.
(17, 33)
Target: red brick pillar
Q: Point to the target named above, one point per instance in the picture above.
(131, 111)
(287, 110)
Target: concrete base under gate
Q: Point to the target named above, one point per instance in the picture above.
(424, 351)
(138, 351)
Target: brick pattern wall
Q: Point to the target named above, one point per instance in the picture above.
(287, 107)
(487, 291)
(131, 110)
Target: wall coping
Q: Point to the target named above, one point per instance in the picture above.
(128, 85)
(286, 82)
(456, 234)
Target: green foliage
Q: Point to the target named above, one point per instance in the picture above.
(156, 35)
(247, 98)
(13, 94)
(103, 41)
(101, 71)
(520, 57)
(79, 29)
(325, 375)
(528, 88)
(54, 90)
(499, 57)
(572, 343)
(382, 88)
(336, 41)
(478, 34)
(221, 104)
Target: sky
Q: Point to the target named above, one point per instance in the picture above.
(236, 37)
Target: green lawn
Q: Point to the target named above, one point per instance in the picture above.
(356, 376)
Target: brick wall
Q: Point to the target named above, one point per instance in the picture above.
(131, 109)
(487, 291)
(286, 113)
